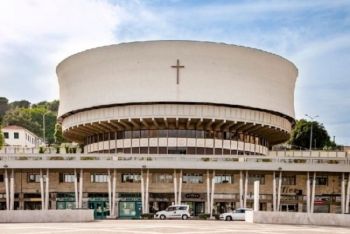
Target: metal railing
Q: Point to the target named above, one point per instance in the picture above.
(176, 158)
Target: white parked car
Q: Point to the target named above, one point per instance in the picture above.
(238, 214)
(174, 212)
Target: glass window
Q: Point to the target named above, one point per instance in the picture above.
(127, 134)
(99, 178)
(136, 134)
(131, 178)
(120, 135)
(171, 208)
(172, 133)
(163, 133)
(182, 134)
(223, 179)
(6, 135)
(66, 177)
(199, 134)
(191, 133)
(1, 178)
(321, 180)
(15, 135)
(163, 178)
(288, 180)
(33, 178)
(192, 178)
(253, 178)
(144, 134)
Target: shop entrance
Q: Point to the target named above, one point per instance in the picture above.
(100, 209)
(130, 209)
(196, 208)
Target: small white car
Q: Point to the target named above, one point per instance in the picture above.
(174, 212)
(238, 214)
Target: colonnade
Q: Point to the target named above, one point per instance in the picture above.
(9, 181)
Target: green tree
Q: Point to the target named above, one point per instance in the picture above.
(58, 134)
(301, 135)
(1, 138)
(32, 119)
(19, 104)
(4, 106)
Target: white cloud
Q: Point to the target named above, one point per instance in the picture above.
(49, 31)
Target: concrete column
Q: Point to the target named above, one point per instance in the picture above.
(245, 188)
(42, 190)
(147, 193)
(343, 194)
(175, 188)
(180, 188)
(76, 189)
(7, 190)
(313, 193)
(274, 191)
(47, 193)
(208, 192)
(212, 194)
(114, 185)
(347, 196)
(142, 193)
(241, 189)
(279, 192)
(109, 184)
(308, 192)
(81, 181)
(12, 190)
(256, 195)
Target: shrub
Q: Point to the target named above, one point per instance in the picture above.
(147, 216)
(204, 216)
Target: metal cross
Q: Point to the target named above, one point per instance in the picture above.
(177, 66)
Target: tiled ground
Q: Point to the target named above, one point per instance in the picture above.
(167, 226)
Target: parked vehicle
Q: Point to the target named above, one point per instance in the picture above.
(174, 212)
(238, 214)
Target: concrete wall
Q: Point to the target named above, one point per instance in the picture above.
(118, 74)
(49, 216)
(298, 218)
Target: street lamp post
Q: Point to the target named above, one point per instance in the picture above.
(312, 118)
(44, 127)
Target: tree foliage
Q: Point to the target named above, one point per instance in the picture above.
(301, 135)
(4, 106)
(58, 134)
(1, 138)
(19, 104)
(32, 118)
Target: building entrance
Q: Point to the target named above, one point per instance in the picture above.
(100, 208)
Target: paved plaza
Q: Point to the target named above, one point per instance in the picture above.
(167, 226)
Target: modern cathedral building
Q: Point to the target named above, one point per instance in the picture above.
(174, 122)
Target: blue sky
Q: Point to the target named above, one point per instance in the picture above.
(315, 35)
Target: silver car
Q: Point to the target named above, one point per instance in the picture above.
(238, 214)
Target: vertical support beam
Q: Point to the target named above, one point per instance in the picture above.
(256, 195)
(12, 189)
(241, 189)
(313, 193)
(42, 190)
(343, 193)
(274, 191)
(81, 181)
(7, 190)
(109, 184)
(47, 193)
(147, 193)
(212, 194)
(308, 192)
(76, 189)
(279, 192)
(208, 192)
(142, 193)
(347, 196)
(114, 185)
(245, 188)
(180, 188)
(175, 187)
